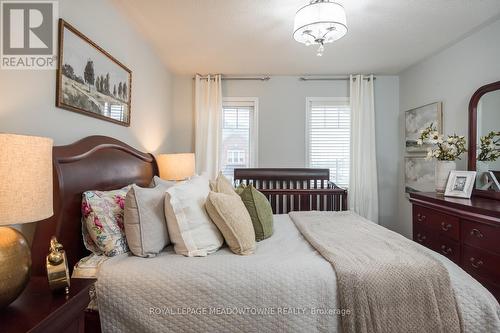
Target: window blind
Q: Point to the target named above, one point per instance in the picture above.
(237, 144)
(328, 138)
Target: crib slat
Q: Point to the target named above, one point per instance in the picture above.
(294, 189)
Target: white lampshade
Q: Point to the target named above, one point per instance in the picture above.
(25, 179)
(176, 166)
(320, 21)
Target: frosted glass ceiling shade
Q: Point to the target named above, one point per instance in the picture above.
(25, 179)
(320, 22)
(176, 166)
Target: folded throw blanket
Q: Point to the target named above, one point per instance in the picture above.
(387, 282)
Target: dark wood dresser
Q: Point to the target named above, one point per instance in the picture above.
(466, 231)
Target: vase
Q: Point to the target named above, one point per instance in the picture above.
(443, 169)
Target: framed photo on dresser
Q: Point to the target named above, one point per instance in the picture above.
(460, 184)
(89, 80)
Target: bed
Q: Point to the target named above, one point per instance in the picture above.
(286, 277)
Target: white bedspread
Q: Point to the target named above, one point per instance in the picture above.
(286, 286)
(285, 277)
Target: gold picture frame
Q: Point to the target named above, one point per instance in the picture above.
(89, 80)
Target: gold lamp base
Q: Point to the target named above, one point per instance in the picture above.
(15, 265)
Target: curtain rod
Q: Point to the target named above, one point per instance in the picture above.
(241, 78)
(302, 78)
(331, 78)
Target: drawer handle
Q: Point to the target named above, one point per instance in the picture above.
(445, 227)
(421, 217)
(446, 251)
(476, 232)
(421, 238)
(475, 263)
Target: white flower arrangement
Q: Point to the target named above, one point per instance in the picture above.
(490, 147)
(444, 149)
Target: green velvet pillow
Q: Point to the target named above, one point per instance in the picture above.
(259, 209)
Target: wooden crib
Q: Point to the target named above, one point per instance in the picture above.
(295, 189)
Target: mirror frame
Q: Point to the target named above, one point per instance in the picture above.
(472, 153)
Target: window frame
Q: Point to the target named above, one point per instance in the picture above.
(309, 101)
(254, 126)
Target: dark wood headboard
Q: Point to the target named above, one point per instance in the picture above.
(93, 163)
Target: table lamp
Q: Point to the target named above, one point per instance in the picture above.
(176, 166)
(25, 196)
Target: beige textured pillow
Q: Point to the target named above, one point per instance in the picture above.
(231, 217)
(222, 185)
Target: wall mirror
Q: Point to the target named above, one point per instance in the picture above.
(484, 139)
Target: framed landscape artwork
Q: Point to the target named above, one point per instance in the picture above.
(419, 174)
(89, 80)
(419, 118)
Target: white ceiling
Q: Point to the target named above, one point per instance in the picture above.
(255, 36)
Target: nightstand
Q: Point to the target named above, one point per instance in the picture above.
(38, 310)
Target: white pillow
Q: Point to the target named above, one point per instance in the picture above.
(157, 181)
(144, 220)
(190, 229)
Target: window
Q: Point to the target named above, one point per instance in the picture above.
(238, 146)
(328, 133)
(114, 111)
(236, 157)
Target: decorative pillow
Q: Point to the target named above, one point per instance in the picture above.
(260, 211)
(189, 227)
(102, 219)
(87, 240)
(165, 183)
(231, 217)
(145, 223)
(222, 185)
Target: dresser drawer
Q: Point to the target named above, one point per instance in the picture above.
(481, 236)
(447, 247)
(421, 215)
(481, 263)
(444, 224)
(423, 236)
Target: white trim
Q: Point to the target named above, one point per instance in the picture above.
(254, 134)
(309, 101)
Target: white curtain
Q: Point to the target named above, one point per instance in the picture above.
(208, 107)
(363, 191)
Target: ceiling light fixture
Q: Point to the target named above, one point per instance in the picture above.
(320, 22)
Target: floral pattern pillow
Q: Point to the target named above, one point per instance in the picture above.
(102, 221)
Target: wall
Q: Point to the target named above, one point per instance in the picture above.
(27, 97)
(282, 123)
(451, 76)
(181, 139)
(282, 104)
